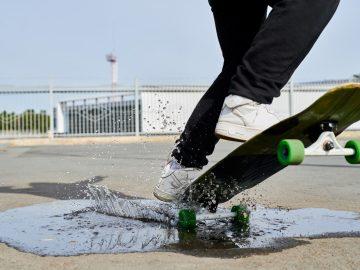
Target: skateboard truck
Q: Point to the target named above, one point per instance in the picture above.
(293, 152)
(239, 214)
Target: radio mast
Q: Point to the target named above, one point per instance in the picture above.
(112, 59)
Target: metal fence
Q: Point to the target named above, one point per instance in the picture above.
(137, 110)
(94, 116)
(26, 124)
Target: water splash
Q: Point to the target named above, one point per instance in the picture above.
(68, 228)
(107, 202)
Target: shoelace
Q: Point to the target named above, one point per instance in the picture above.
(268, 108)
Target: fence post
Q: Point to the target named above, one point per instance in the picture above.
(60, 118)
(137, 116)
(291, 97)
(51, 104)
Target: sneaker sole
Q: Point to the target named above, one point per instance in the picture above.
(162, 196)
(232, 132)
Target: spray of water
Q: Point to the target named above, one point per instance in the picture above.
(107, 202)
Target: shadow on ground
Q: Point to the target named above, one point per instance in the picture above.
(61, 191)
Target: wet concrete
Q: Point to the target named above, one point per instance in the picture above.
(69, 228)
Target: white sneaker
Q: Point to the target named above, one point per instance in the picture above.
(174, 180)
(242, 118)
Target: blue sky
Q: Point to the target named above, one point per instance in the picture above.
(159, 41)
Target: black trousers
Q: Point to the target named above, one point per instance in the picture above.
(260, 55)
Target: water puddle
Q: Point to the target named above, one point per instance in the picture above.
(69, 228)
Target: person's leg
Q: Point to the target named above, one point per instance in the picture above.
(283, 41)
(281, 44)
(237, 23)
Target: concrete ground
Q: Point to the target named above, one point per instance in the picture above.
(36, 174)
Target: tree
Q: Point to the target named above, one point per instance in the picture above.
(27, 121)
(356, 77)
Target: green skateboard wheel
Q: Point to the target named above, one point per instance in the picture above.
(291, 152)
(187, 236)
(355, 145)
(242, 217)
(187, 219)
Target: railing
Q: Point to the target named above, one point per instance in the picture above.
(26, 124)
(137, 110)
(113, 115)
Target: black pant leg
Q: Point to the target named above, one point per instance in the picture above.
(237, 22)
(282, 43)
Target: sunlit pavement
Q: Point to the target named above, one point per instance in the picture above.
(31, 175)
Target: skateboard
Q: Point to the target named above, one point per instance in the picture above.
(311, 132)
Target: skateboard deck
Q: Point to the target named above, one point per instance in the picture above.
(256, 160)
